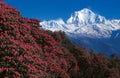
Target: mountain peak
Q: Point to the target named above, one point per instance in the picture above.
(85, 17)
(86, 10)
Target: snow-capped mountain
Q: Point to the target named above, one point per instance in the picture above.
(88, 27)
(85, 17)
(54, 25)
(85, 23)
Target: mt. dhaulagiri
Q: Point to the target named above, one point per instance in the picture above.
(85, 16)
(88, 29)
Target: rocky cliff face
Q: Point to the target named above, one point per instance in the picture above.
(27, 52)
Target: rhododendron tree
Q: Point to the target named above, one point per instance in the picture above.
(28, 52)
(91, 65)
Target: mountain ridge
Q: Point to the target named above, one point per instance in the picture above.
(85, 22)
(92, 27)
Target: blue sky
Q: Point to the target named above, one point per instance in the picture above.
(53, 9)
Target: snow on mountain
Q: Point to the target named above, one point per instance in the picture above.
(88, 29)
(85, 23)
(85, 17)
(54, 25)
